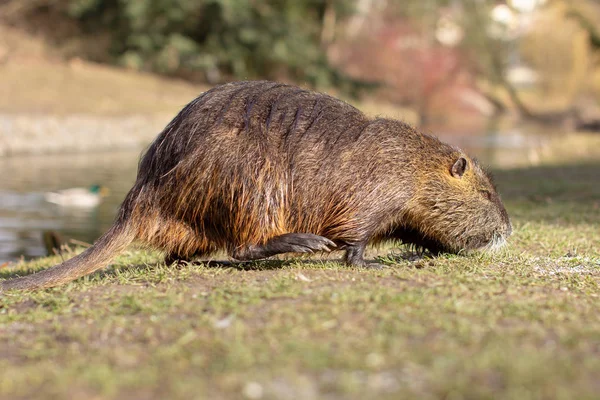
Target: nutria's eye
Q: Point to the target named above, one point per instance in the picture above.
(459, 168)
(487, 194)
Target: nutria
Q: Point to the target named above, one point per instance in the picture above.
(263, 168)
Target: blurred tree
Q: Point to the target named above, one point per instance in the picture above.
(486, 40)
(557, 48)
(419, 48)
(425, 49)
(212, 39)
(586, 13)
(243, 39)
(541, 36)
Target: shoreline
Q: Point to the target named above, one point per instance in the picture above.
(40, 134)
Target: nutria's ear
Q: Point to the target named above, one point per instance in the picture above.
(459, 168)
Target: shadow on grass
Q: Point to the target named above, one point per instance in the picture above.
(114, 271)
(551, 193)
(258, 265)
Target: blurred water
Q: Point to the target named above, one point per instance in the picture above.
(502, 144)
(24, 214)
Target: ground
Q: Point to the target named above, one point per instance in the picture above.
(523, 323)
(35, 80)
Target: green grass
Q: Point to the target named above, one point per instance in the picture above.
(523, 323)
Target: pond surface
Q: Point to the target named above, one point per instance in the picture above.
(25, 215)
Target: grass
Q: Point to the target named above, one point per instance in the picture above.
(519, 324)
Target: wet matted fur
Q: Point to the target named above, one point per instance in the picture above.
(260, 168)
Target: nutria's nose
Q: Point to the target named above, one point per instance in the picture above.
(509, 229)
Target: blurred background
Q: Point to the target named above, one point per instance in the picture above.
(85, 85)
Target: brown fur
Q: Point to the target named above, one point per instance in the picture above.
(247, 162)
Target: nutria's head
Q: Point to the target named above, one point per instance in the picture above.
(456, 207)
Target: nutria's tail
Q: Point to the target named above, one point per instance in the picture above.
(101, 253)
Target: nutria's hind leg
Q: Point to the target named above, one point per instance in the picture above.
(189, 250)
(286, 243)
(174, 258)
(354, 256)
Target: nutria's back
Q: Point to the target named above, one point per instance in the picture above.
(276, 157)
(262, 168)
